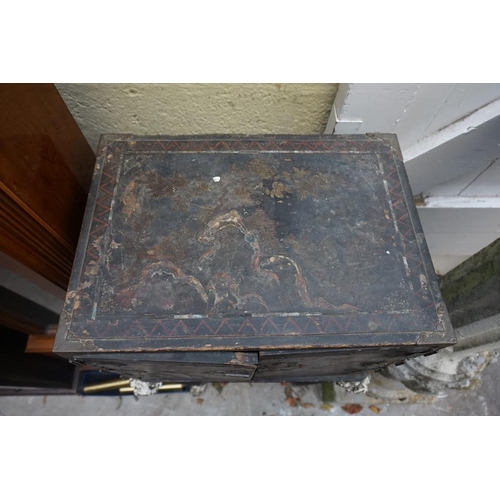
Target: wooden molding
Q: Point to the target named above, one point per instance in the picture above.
(40, 344)
(45, 167)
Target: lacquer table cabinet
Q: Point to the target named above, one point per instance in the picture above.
(235, 258)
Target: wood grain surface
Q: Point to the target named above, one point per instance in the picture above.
(45, 170)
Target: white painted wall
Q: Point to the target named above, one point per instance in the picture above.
(455, 234)
(486, 184)
(480, 183)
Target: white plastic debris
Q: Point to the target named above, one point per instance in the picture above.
(198, 390)
(355, 387)
(144, 388)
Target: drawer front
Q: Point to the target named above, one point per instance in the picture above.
(315, 365)
(320, 365)
(176, 367)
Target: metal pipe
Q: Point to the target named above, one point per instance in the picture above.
(113, 384)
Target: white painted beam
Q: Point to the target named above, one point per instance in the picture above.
(449, 168)
(423, 115)
(462, 202)
(369, 107)
(454, 234)
(462, 126)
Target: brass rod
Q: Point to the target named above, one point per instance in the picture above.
(171, 387)
(113, 384)
(126, 390)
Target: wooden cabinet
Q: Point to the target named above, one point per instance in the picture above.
(46, 166)
(45, 170)
(257, 258)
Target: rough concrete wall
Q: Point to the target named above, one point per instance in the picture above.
(177, 109)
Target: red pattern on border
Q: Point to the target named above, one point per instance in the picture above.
(103, 208)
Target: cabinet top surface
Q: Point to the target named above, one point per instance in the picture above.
(250, 242)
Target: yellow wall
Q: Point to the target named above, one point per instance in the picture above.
(178, 109)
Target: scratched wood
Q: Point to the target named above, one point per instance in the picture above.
(250, 243)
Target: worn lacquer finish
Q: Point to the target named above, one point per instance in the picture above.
(250, 243)
(184, 367)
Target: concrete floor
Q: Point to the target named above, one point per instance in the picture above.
(262, 399)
